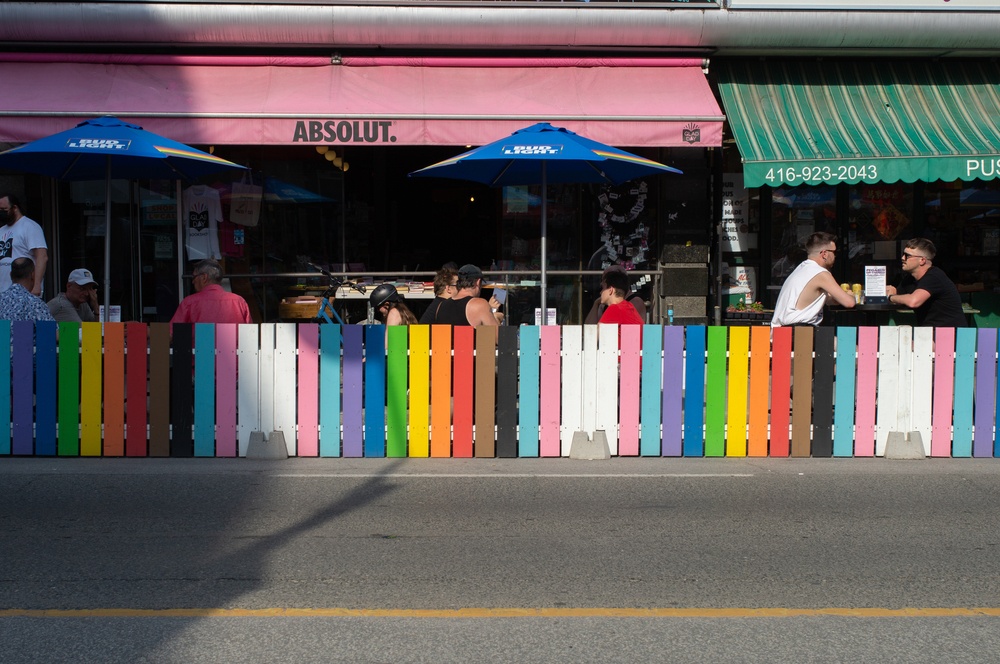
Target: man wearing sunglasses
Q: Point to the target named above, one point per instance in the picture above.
(805, 291)
(926, 289)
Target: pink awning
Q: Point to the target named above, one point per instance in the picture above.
(402, 105)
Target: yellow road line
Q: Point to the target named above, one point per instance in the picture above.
(597, 612)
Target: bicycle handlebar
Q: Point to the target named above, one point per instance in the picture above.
(337, 282)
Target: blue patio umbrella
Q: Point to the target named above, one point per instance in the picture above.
(107, 148)
(541, 154)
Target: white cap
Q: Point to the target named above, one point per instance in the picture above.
(81, 277)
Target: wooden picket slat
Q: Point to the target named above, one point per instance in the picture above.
(864, 417)
(822, 444)
(486, 366)
(571, 370)
(204, 390)
(114, 389)
(266, 378)
(441, 391)
(507, 392)
(159, 390)
(22, 359)
(69, 391)
(590, 380)
(781, 391)
(715, 393)
(944, 384)
(46, 368)
(396, 384)
(673, 390)
(5, 395)
(353, 443)
(922, 384)
(420, 391)
(965, 379)
(628, 390)
(464, 344)
(181, 390)
(375, 390)
(760, 376)
(694, 391)
(307, 400)
(528, 440)
(843, 413)
(986, 385)
(137, 381)
(248, 395)
(91, 381)
(802, 391)
(738, 387)
(285, 338)
(226, 335)
(329, 391)
(550, 444)
(607, 383)
(650, 415)
(887, 409)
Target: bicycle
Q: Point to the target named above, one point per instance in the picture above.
(336, 283)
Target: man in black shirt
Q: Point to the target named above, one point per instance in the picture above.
(927, 289)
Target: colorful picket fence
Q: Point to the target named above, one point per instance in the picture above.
(132, 389)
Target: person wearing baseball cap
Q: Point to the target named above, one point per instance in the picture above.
(79, 301)
(466, 307)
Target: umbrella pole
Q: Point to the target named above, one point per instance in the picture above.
(545, 283)
(107, 243)
(180, 241)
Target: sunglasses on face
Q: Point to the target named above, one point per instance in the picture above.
(908, 256)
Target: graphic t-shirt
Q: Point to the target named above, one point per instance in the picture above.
(202, 216)
(17, 241)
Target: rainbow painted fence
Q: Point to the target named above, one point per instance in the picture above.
(130, 389)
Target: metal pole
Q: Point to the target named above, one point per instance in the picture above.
(107, 242)
(180, 246)
(545, 212)
(343, 224)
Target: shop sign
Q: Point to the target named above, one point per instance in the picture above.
(343, 131)
(738, 233)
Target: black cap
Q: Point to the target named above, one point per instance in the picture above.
(471, 272)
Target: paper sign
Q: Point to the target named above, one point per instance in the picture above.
(875, 281)
(550, 318)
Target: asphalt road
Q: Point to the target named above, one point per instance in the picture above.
(683, 560)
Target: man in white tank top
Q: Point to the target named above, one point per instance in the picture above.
(804, 293)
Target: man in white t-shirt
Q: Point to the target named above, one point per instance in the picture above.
(20, 237)
(806, 289)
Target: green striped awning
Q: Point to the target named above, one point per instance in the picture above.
(871, 121)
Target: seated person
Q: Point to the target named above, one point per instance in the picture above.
(617, 310)
(210, 303)
(389, 306)
(633, 298)
(79, 301)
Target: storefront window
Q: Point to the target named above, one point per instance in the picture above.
(963, 220)
(880, 216)
(796, 213)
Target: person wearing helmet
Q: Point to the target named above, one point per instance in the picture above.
(389, 306)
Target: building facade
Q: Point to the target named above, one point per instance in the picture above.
(338, 102)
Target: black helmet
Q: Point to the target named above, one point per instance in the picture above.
(382, 294)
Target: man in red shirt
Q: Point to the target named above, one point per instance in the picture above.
(619, 311)
(210, 303)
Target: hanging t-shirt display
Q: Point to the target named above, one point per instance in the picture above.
(202, 216)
